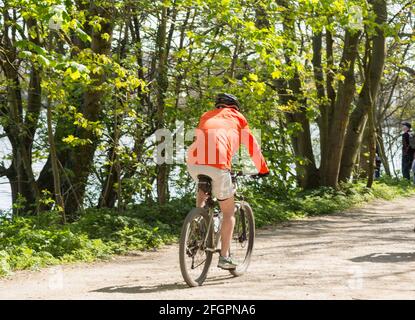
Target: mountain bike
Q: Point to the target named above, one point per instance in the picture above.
(200, 236)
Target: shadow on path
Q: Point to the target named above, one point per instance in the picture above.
(161, 287)
(386, 257)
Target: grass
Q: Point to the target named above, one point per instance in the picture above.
(35, 242)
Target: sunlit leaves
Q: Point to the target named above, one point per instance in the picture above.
(77, 71)
(216, 46)
(74, 75)
(253, 77)
(276, 74)
(75, 141)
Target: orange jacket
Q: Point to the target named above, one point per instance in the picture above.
(218, 136)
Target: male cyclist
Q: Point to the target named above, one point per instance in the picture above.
(218, 137)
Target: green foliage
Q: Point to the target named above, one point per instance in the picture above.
(4, 263)
(27, 243)
(122, 232)
(239, 46)
(170, 215)
(388, 188)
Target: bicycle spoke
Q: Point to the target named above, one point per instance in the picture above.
(240, 246)
(194, 259)
(194, 267)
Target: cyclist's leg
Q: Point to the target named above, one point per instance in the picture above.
(224, 191)
(201, 197)
(228, 223)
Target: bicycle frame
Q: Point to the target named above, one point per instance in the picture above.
(209, 207)
(211, 231)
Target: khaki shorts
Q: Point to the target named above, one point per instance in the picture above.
(222, 186)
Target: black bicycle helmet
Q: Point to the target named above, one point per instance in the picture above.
(227, 99)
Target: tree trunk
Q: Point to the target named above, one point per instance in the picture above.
(340, 118)
(363, 164)
(372, 146)
(382, 150)
(368, 94)
(108, 195)
(161, 88)
(19, 131)
(323, 120)
(56, 175)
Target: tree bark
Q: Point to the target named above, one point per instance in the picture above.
(340, 118)
(55, 169)
(161, 88)
(323, 120)
(363, 159)
(382, 150)
(20, 131)
(108, 195)
(368, 94)
(372, 145)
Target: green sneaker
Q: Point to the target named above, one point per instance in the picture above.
(226, 263)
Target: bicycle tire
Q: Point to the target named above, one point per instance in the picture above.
(192, 216)
(245, 212)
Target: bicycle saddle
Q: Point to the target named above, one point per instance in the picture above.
(204, 183)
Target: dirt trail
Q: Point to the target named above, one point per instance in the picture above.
(365, 253)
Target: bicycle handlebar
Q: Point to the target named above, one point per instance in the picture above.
(236, 174)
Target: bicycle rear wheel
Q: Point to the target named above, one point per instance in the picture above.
(243, 237)
(195, 260)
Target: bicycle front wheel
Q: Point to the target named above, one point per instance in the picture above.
(242, 243)
(195, 238)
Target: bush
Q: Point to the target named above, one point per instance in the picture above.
(110, 226)
(34, 242)
(4, 263)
